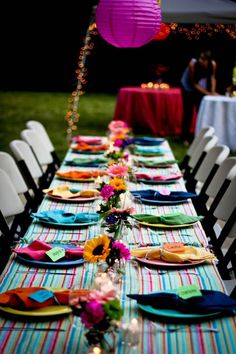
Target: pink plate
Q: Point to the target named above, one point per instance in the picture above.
(167, 264)
(76, 199)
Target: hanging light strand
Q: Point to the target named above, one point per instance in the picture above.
(72, 116)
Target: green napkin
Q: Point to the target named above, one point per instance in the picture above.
(154, 162)
(168, 219)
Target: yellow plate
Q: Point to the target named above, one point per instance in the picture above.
(42, 312)
(164, 226)
(53, 310)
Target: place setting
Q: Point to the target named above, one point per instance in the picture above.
(147, 178)
(79, 176)
(67, 193)
(162, 197)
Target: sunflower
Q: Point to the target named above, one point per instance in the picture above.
(97, 249)
(118, 184)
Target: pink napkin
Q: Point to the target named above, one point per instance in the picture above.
(157, 177)
(80, 139)
(37, 251)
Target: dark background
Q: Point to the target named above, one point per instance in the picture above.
(40, 48)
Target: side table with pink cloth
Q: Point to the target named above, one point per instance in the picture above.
(148, 110)
(219, 112)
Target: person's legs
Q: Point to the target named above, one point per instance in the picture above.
(188, 106)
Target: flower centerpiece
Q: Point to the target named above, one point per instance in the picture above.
(109, 254)
(110, 193)
(100, 312)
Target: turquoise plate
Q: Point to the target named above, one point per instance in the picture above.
(150, 181)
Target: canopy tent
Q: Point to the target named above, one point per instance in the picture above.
(199, 11)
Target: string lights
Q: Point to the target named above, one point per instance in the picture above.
(72, 116)
(196, 31)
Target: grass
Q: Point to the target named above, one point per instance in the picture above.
(96, 111)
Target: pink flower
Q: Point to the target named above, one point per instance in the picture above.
(117, 124)
(93, 314)
(107, 192)
(102, 297)
(124, 251)
(117, 170)
(118, 142)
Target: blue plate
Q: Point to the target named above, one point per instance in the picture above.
(88, 152)
(150, 181)
(163, 202)
(61, 263)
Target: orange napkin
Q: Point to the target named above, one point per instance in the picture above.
(18, 298)
(81, 174)
(86, 147)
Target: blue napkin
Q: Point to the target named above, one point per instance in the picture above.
(145, 140)
(210, 301)
(154, 195)
(62, 217)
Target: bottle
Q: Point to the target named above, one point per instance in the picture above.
(234, 75)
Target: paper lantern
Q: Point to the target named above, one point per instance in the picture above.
(163, 33)
(128, 23)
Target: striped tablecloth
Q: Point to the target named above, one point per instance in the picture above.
(156, 334)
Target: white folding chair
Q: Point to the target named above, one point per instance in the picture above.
(8, 164)
(37, 126)
(14, 218)
(208, 168)
(196, 160)
(42, 155)
(29, 166)
(207, 131)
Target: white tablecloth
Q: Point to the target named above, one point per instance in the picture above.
(219, 112)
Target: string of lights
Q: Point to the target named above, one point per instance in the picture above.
(72, 115)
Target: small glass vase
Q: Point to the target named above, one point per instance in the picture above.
(101, 342)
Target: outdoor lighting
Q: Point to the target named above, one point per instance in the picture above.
(128, 23)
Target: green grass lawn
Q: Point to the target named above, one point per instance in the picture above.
(96, 111)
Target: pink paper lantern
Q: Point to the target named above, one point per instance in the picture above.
(128, 23)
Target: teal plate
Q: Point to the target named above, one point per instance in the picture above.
(81, 224)
(174, 313)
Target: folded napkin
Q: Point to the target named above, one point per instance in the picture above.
(152, 162)
(154, 195)
(86, 162)
(167, 219)
(37, 251)
(210, 301)
(148, 151)
(18, 298)
(86, 147)
(157, 177)
(62, 217)
(68, 192)
(187, 254)
(80, 174)
(88, 140)
(148, 141)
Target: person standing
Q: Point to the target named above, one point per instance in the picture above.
(198, 80)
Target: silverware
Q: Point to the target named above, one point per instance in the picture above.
(42, 272)
(31, 329)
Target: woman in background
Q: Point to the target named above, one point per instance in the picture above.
(198, 80)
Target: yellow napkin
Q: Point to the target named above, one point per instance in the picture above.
(64, 192)
(189, 253)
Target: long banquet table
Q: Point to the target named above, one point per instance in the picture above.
(189, 337)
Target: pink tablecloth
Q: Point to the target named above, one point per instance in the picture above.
(154, 111)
